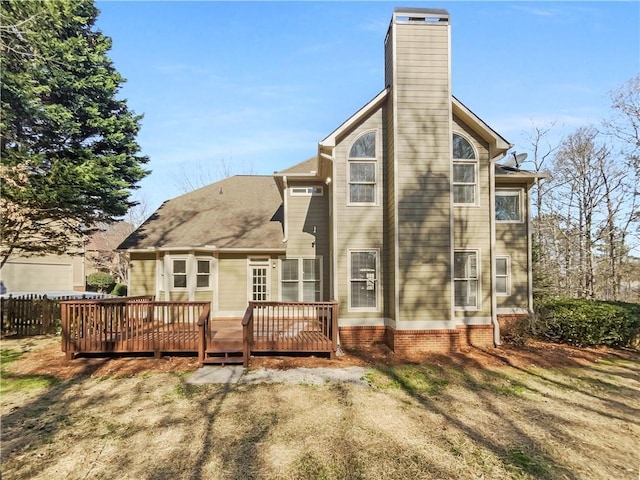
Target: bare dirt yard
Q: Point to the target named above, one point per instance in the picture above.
(540, 411)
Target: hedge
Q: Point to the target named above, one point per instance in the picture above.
(584, 322)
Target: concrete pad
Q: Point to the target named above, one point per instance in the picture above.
(216, 374)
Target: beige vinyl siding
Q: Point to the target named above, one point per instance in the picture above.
(304, 213)
(472, 224)
(512, 240)
(358, 226)
(232, 284)
(142, 274)
(39, 274)
(389, 253)
(423, 163)
(203, 296)
(178, 296)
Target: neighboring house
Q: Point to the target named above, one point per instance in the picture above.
(404, 217)
(43, 273)
(67, 272)
(101, 254)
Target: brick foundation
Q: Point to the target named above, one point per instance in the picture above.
(362, 336)
(412, 341)
(508, 322)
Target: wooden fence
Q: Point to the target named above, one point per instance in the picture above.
(29, 315)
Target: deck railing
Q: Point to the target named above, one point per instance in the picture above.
(131, 325)
(290, 327)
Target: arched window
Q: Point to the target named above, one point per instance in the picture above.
(362, 170)
(465, 172)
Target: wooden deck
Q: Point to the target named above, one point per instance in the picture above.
(146, 326)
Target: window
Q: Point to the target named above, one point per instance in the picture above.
(189, 273)
(362, 170)
(508, 206)
(203, 273)
(465, 278)
(179, 273)
(363, 279)
(307, 191)
(502, 276)
(301, 279)
(465, 178)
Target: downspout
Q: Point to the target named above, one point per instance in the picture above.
(284, 213)
(333, 242)
(529, 249)
(492, 234)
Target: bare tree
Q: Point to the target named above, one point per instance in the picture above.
(580, 191)
(192, 176)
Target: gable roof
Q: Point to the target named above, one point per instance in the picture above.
(239, 212)
(497, 142)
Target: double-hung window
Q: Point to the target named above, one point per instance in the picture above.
(503, 284)
(465, 172)
(179, 274)
(189, 273)
(508, 206)
(362, 170)
(363, 279)
(466, 278)
(301, 279)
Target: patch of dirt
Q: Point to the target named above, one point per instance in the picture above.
(43, 356)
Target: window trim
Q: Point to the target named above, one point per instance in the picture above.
(477, 278)
(198, 274)
(507, 276)
(300, 280)
(350, 306)
(511, 192)
(258, 261)
(476, 184)
(310, 191)
(185, 259)
(363, 160)
(167, 273)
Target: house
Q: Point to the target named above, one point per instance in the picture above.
(66, 273)
(404, 217)
(44, 273)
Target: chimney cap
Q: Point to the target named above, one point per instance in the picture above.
(424, 14)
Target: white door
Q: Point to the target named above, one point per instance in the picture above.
(259, 276)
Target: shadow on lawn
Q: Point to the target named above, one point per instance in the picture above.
(516, 448)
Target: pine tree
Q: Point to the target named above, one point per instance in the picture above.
(68, 152)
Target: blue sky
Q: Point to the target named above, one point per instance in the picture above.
(256, 85)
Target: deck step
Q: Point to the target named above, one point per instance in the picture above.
(223, 358)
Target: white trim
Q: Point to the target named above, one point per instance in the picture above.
(507, 275)
(258, 262)
(365, 160)
(512, 311)
(478, 305)
(209, 287)
(330, 140)
(476, 163)
(350, 308)
(300, 281)
(518, 192)
(308, 191)
(404, 325)
(172, 259)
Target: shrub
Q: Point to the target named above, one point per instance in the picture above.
(120, 290)
(101, 281)
(588, 322)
